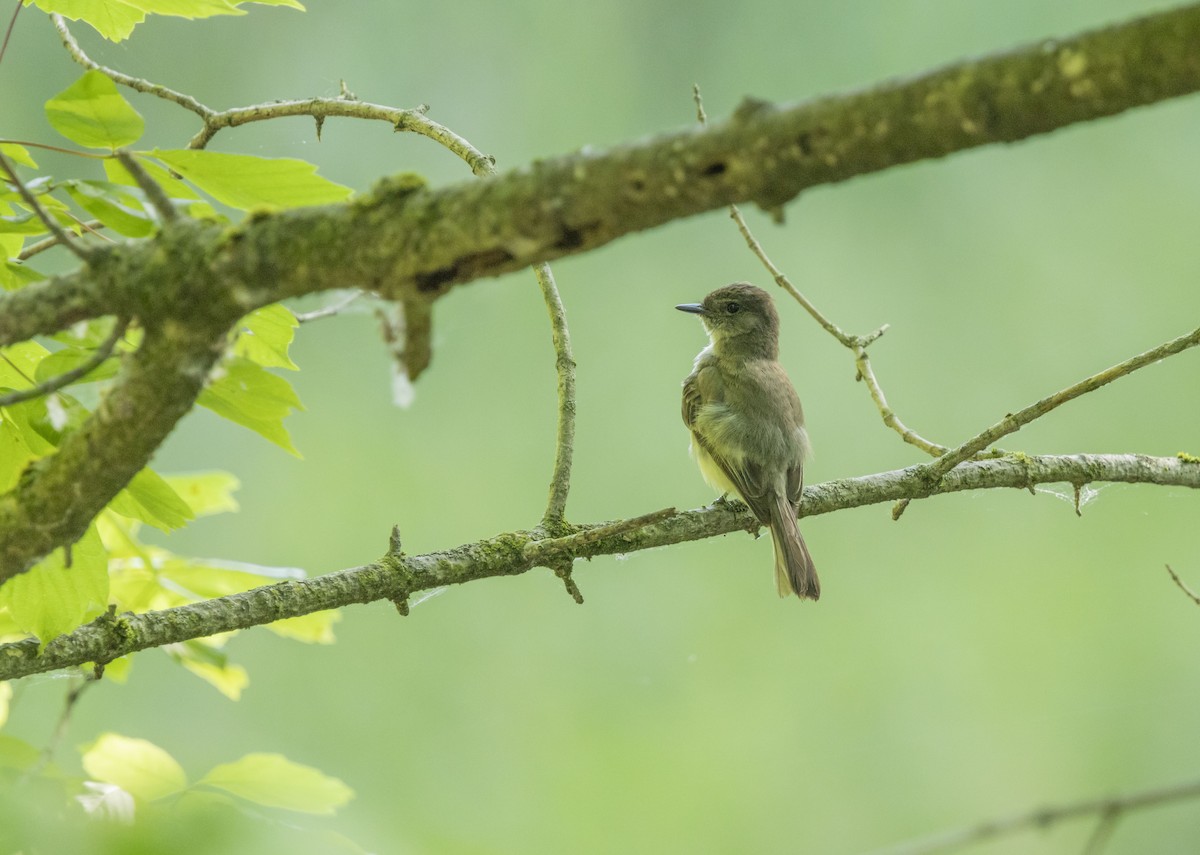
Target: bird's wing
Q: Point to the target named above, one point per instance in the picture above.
(748, 478)
(691, 398)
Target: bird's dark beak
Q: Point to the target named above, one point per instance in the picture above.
(694, 308)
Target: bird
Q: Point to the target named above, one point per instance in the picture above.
(747, 425)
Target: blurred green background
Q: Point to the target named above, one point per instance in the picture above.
(988, 653)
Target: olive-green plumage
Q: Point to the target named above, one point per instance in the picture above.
(747, 426)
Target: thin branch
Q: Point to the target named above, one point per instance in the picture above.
(78, 687)
(135, 83)
(330, 310)
(856, 344)
(564, 364)
(396, 577)
(1195, 598)
(1108, 809)
(1102, 833)
(51, 242)
(52, 224)
(153, 190)
(47, 387)
(1015, 421)
(12, 22)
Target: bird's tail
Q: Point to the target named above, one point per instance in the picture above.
(794, 569)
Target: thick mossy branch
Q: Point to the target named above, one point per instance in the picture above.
(395, 577)
(185, 313)
(58, 496)
(403, 239)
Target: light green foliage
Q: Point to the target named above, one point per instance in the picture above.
(116, 20)
(149, 774)
(53, 597)
(16, 753)
(18, 154)
(138, 767)
(206, 660)
(265, 335)
(152, 500)
(113, 205)
(206, 492)
(188, 200)
(246, 183)
(92, 113)
(275, 781)
(246, 393)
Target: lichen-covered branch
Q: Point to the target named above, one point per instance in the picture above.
(58, 496)
(403, 239)
(185, 318)
(396, 576)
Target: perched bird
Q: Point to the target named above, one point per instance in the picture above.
(747, 426)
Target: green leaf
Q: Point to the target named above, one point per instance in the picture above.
(206, 493)
(15, 454)
(113, 20)
(251, 396)
(112, 205)
(152, 500)
(314, 628)
(212, 666)
(275, 781)
(245, 182)
(70, 358)
(174, 187)
(17, 753)
(22, 224)
(18, 364)
(18, 154)
(190, 202)
(265, 335)
(206, 579)
(14, 275)
(52, 598)
(92, 113)
(5, 698)
(138, 767)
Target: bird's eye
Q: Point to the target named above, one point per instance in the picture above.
(732, 308)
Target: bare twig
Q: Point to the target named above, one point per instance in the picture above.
(1108, 809)
(103, 352)
(1103, 831)
(52, 224)
(1183, 586)
(135, 83)
(79, 685)
(564, 363)
(51, 242)
(1015, 421)
(154, 192)
(12, 22)
(330, 310)
(560, 482)
(856, 344)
